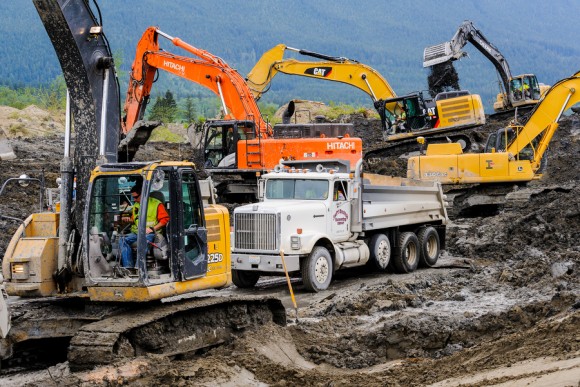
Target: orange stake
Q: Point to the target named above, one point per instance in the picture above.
(289, 283)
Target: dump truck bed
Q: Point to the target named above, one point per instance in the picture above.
(393, 201)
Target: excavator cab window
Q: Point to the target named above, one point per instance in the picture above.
(221, 141)
(415, 114)
(110, 200)
(501, 139)
(214, 146)
(192, 233)
(517, 89)
(532, 87)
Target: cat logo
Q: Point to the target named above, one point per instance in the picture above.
(322, 72)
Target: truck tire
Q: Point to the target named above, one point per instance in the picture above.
(317, 270)
(380, 248)
(429, 245)
(406, 257)
(245, 279)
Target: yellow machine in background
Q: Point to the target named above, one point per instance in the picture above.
(513, 154)
(520, 91)
(447, 111)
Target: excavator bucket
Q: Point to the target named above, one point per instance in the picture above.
(6, 151)
(436, 54)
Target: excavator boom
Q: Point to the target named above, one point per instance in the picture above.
(337, 69)
(209, 71)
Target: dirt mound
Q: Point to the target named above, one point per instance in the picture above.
(30, 122)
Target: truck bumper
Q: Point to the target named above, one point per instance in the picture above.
(267, 263)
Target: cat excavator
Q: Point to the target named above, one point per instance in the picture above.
(242, 144)
(513, 155)
(520, 91)
(403, 117)
(76, 297)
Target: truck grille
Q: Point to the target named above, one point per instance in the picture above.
(256, 232)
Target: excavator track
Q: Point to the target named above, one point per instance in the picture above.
(99, 334)
(470, 138)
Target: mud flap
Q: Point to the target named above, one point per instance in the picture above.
(6, 151)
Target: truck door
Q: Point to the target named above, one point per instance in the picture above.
(340, 211)
(192, 232)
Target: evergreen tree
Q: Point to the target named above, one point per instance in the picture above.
(156, 113)
(190, 112)
(170, 107)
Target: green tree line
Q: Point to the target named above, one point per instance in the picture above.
(166, 107)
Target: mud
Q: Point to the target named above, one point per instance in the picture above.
(442, 77)
(502, 306)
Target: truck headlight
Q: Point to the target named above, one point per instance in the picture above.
(295, 242)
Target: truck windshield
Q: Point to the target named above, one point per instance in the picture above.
(300, 189)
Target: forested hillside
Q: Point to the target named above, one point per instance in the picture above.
(389, 36)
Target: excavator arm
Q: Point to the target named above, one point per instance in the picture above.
(207, 70)
(337, 69)
(452, 50)
(330, 68)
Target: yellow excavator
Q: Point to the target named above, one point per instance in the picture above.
(513, 154)
(519, 91)
(78, 297)
(403, 117)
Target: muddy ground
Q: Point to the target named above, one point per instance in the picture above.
(502, 307)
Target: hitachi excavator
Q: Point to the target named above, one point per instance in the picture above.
(512, 155)
(242, 143)
(452, 111)
(520, 91)
(78, 299)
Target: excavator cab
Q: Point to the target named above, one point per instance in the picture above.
(500, 140)
(524, 89)
(177, 253)
(416, 116)
(221, 141)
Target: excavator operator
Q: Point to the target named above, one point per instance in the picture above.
(156, 218)
(400, 125)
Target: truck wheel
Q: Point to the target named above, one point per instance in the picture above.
(406, 257)
(380, 247)
(317, 270)
(429, 244)
(244, 278)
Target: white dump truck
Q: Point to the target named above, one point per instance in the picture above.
(319, 220)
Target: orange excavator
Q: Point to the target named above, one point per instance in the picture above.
(242, 144)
